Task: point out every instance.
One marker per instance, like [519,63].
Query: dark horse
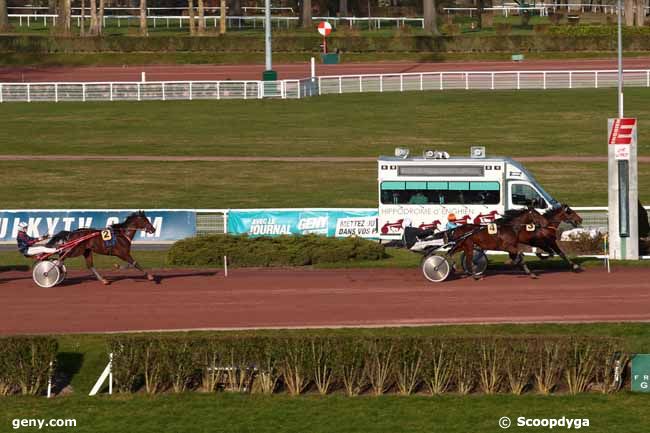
[119,245]
[545,238]
[510,230]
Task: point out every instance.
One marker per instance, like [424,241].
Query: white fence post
[570,80]
[421,83]
[401,82]
[340,85]
[56,92]
[544,75]
[596,79]
[29,95]
[110,90]
[83,92]
[319,86]
[190,90]
[381,83]
[466,80]
[139,96]
[246,89]
[1,95]
[518,81]
[647,79]
[163,91]
[441,74]
[360,84]
[492,77]
[259,90]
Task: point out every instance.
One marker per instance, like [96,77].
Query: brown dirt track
[293,71]
[267,298]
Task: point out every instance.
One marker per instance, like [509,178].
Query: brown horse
[119,245]
[509,229]
[545,237]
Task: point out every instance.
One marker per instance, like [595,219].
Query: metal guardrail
[480,80]
[155,90]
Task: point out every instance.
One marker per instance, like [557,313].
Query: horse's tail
[59,238]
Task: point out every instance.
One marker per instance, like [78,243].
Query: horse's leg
[468,249]
[131,262]
[556,248]
[519,261]
[88,255]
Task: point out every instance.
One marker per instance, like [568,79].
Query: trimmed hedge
[362,365]
[244,251]
[25,364]
[566,39]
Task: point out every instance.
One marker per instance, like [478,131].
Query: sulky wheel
[46,274]
[479,259]
[63,271]
[435,268]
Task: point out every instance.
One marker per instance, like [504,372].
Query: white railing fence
[296,89]
[153,91]
[475,80]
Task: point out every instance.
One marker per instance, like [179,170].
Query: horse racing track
[268,298]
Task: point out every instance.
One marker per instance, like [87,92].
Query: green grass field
[130,185]
[84,356]
[513,123]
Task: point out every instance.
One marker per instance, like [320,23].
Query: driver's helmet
[23,225]
[451,217]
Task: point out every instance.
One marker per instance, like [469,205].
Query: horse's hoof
[477,277]
[534,276]
[116,266]
[576,267]
[106,282]
[151,277]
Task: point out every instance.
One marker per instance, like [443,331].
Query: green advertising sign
[641,373]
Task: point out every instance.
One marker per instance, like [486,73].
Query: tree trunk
[63,20]
[100,18]
[306,14]
[343,8]
[143,18]
[201,17]
[4,17]
[82,24]
[640,13]
[629,12]
[222,21]
[93,18]
[430,16]
[190,10]
[235,8]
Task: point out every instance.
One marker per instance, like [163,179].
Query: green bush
[244,251]
[358,365]
[503,29]
[26,364]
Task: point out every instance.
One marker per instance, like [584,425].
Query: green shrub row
[558,39]
[26,364]
[244,251]
[357,365]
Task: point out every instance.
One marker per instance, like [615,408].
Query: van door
[522,194]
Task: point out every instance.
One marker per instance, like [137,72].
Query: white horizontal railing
[480,80]
[155,90]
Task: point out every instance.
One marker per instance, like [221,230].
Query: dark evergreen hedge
[569,39]
[244,251]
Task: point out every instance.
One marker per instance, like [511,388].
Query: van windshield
[441,193]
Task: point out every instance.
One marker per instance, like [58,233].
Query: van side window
[437,193]
[525,195]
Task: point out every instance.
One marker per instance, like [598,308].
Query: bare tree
[640,13]
[63,21]
[4,17]
[306,14]
[629,12]
[100,18]
[82,21]
[235,8]
[94,28]
[190,10]
[201,17]
[343,8]
[143,18]
[430,16]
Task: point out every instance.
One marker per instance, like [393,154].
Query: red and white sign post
[324,28]
[623,214]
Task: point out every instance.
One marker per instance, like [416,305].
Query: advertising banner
[326,222]
[641,373]
[170,225]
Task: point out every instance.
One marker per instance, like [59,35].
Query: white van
[423,191]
